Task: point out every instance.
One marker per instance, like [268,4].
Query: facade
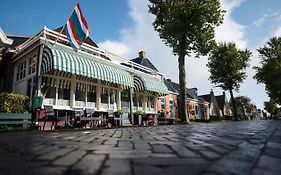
[197,109]
[214,108]
[8,47]
[224,105]
[90,78]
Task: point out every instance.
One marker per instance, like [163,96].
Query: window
[163,106]
[64,94]
[113,96]
[150,102]
[32,64]
[140,99]
[21,70]
[104,95]
[80,95]
[125,98]
[135,100]
[172,104]
[92,94]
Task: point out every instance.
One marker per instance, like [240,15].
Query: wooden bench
[23,119]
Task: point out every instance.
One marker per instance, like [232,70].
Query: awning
[56,59]
[143,83]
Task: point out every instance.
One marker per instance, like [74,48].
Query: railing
[101,54]
[80,103]
[23,119]
[62,102]
[48,101]
[91,104]
[104,106]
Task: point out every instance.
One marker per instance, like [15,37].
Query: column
[98,101]
[118,102]
[72,90]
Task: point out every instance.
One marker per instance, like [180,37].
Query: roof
[144,62]
[206,97]
[175,87]
[18,40]
[221,101]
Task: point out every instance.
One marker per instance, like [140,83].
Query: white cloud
[141,36]
[116,47]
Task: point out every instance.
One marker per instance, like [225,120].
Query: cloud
[141,36]
[269,15]
[116,47]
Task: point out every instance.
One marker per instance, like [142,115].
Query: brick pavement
[245,147]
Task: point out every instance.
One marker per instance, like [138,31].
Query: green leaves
[192,20]
[270,71]
[227,66]
[15,103]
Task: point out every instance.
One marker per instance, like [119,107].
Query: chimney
[142,54]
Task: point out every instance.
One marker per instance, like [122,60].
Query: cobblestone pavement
[246,147]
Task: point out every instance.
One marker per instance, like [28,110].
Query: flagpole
[65,25]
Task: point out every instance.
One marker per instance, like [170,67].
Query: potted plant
[138,117]
[118,113]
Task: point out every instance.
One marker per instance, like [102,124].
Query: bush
[14,103]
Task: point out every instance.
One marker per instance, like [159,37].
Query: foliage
[14,103]
[270,107]
[227,66]
[245,104]
[186,26]
[119,112]
[139,113]
[270,71]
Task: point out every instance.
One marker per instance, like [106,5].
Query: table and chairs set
[77,118]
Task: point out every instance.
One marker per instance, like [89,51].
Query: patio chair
[117,120]
[90,116]
[50,116]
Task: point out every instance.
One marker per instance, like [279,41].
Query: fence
[23,119]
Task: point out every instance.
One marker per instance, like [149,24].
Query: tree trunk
[233,105]
[182,105]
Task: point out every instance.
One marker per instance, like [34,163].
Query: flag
[77,29]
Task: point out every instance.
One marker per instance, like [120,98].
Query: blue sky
[124,27]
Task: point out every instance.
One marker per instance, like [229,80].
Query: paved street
[246,147]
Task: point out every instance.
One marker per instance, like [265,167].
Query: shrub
[15,103]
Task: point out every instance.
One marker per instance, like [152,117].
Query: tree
[186,26]
[270,107]
[227,66]
[270,71]
[245,104]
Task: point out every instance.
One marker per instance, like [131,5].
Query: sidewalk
[244,147]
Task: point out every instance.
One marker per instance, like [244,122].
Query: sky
[125,27]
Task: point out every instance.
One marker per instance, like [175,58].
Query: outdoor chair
[90,117]
[117,120]
[50,116]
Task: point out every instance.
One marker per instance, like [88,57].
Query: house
[9,44]
[215,111]
[45,65]
[197,108]
[224,105]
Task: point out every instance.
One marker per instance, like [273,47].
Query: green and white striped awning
[56,59]
[143,83]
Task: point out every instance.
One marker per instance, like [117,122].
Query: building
[215,111]
[9,45]
[45,65]
[197,109]
[224,105]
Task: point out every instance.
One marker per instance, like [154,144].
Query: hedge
[15,103]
